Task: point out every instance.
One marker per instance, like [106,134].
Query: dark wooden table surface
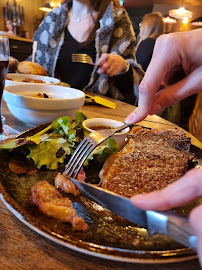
[21,248]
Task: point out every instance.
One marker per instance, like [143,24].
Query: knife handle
[170,224]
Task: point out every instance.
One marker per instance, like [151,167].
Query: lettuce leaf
[46,153]
[43,147]
[102,152]
[62,135]
[80,117]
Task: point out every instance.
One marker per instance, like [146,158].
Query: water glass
[4,59]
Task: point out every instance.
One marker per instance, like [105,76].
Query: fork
[86,146]
[82,58]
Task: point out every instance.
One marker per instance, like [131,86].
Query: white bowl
[110,123]
[17,78]
[63,101]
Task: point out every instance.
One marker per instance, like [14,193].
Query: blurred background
[34,11]
[19,19]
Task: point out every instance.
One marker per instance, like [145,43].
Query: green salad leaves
[52,145]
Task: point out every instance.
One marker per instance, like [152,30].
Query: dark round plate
[108,236]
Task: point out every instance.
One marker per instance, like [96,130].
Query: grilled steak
[149,161]
[177,137]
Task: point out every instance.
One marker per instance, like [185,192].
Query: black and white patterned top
[115,36]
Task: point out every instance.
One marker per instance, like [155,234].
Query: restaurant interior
[179,15]
[37,146]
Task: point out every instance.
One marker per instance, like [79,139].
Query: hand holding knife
[165,222]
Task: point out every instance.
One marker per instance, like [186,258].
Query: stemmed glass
[4,59]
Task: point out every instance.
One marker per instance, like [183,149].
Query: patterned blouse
[115,36]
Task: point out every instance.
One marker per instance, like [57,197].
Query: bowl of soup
[36,104]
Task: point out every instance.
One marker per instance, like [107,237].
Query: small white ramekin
[119,137]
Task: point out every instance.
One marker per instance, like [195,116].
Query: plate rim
[89,252]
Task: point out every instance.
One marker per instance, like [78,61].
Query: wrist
[125,70]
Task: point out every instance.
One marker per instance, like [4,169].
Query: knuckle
[144,88]
[165,40]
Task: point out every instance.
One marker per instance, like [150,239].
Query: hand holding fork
[109,64]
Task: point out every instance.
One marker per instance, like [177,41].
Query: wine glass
[4,59]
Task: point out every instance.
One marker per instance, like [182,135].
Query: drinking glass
[4,59]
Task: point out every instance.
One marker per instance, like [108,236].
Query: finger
[136,116]
[161,63]
[112,71]
[103,68]
[195,219]
[109,72]
[174,93]
[103,59]
[176,194]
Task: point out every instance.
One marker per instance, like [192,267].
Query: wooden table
[21,248]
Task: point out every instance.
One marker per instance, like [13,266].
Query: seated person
[152,26]
[101,29]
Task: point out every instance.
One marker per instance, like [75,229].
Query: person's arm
[171,52]
[186,189]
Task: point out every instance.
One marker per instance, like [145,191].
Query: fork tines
[86,146]
[80,154]
[82,58]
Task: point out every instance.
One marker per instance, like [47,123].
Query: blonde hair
[152,25]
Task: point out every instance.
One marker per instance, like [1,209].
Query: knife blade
[164,222]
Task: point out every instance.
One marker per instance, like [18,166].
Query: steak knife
[164,222]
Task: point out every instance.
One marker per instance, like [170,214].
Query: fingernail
[130,119]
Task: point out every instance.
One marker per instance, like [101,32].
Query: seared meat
[65,185]
[148,162]
[51,203]
[177,137]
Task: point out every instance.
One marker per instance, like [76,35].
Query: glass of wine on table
[4,59]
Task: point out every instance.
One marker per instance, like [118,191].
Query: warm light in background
[46,8]
[180,13]
[197,21]
[49,6]
[185,20]
[169,20]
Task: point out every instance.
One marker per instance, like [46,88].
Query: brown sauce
[100,127]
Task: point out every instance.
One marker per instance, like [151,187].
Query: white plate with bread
[28,72]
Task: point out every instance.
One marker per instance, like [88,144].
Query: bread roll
[27,67]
